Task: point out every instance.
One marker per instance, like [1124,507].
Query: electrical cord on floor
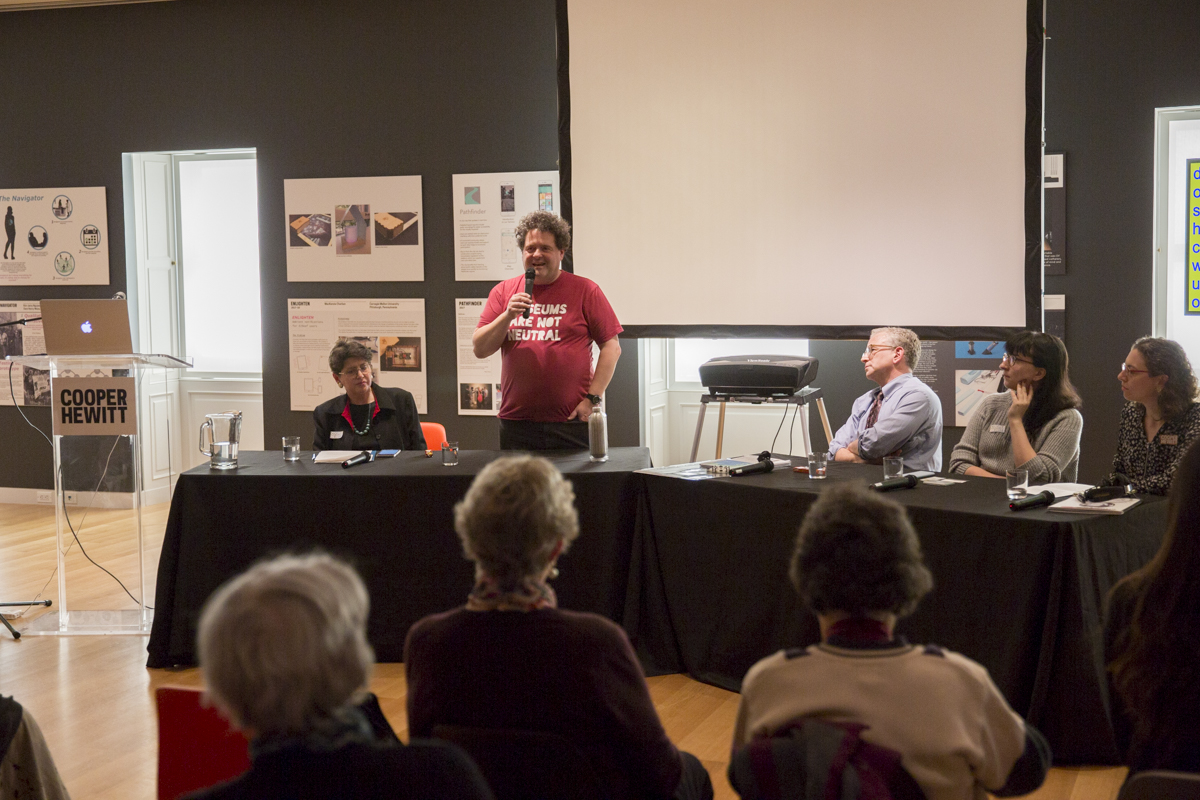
[62,499]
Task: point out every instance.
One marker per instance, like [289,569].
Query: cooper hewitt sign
[94,406]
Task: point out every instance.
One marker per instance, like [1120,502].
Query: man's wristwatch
[594,398]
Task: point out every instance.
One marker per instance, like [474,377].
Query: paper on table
[1118,505]
[334,456]
[1060,489]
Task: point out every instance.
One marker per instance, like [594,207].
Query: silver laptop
[86,327]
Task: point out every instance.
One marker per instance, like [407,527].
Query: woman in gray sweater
[1034,425]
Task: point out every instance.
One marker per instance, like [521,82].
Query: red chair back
[197,747]
[435,434]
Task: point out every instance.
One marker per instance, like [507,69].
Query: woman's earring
[554,573]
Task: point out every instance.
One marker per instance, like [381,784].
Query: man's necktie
[873,417]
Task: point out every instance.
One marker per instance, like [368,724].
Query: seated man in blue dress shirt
[902,417]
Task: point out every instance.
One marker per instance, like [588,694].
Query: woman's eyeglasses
[1011,359]
[1128,370]
[365,369]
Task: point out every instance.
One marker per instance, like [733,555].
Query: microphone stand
[7,624]
[19,322]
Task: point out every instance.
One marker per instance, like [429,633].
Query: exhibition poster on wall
[961,374]
[54,236]
[393,330]
[478,378]
[487,207]
[30,387]
[1054,194]
[354,229]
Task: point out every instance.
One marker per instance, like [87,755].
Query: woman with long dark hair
[1152,641]
[1161,418]
[1034,425]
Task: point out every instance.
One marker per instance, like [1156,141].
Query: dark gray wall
[461,86]
[434,89]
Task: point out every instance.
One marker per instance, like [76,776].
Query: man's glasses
[872,349]
[365,369]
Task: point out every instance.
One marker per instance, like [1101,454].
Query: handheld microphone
[752,469]
[1098,494]
[903,482]
[529,274]
[1033,501]
[361,458]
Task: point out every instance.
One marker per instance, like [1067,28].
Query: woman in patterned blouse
[1161,418]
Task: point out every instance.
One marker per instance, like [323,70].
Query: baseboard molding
[150,497]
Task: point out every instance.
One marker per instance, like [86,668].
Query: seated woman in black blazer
[368,416]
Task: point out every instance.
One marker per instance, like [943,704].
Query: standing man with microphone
[545,332]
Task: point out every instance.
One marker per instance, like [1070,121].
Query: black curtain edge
[1034,62]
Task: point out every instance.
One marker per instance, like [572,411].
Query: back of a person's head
[517,511]
[1158,674]
[283,646]
[857,553]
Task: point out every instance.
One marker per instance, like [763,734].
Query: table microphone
[1033,501]
[529,274]
[903,482]
[361,458]
[752,469]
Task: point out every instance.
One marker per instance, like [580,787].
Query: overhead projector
[761,376]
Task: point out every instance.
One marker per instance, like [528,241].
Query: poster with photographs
[54,237]
[22,385]
[478,378]
[354,229]
[393,330]
[962,374]
[487,207]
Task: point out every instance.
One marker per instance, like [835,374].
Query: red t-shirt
[547,359]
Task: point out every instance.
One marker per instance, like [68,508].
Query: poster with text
[478,378]
[962,374]
[21,385]
[354,229]
[1054,194]
[54,236]
[487,207]
[393,330]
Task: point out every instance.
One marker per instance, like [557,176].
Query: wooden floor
[93,696]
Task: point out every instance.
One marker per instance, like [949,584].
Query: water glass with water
[449,454]
[1018,483]
[818,463]
[893,467]
[291,448]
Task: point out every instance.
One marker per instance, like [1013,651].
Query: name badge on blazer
[336,434]
[1170,438]
[997,428]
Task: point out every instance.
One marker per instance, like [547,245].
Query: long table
[392,518]
[1021,593]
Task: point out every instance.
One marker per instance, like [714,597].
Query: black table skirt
[393,519]
[1021,593]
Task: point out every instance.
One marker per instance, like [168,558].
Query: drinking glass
[893,467]
[817,465]
[291,448]
[1018,483]
[449,454]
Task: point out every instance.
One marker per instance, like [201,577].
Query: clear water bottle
[598,434]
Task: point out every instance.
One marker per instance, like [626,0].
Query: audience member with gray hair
[858,566]
[285,656]
[902,417]
[511,659]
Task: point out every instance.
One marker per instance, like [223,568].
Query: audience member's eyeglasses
[1128,370]
[872,349]
[1011,359]
[365,369]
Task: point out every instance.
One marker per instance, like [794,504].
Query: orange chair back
[435,434]
[197,747]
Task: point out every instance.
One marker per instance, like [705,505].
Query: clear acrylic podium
[91,608]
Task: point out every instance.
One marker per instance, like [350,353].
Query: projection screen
[821,165]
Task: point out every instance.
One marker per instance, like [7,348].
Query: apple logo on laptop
[86,327]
